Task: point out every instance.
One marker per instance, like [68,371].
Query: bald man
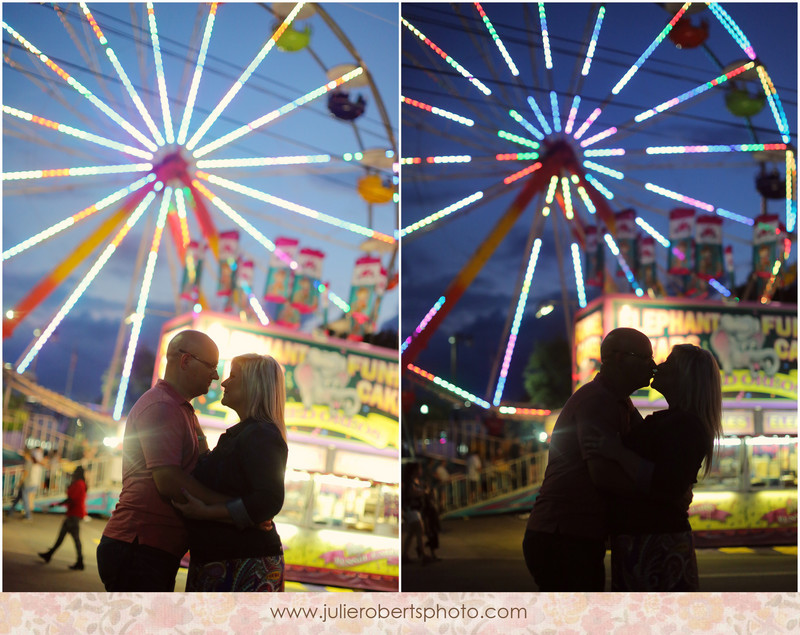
[565,539]
[145,539]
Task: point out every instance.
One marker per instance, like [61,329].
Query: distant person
[27,463]
[442,478]
[413,496]
[473,475]
[76,511]
[34,478]
[145,539]
[651,540]
[564,543]
[229,548]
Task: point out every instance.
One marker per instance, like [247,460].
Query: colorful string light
[744,147]
[600,187]
[679,197]
[539,115]
[576,265]
[791,182]
[699,90]
[75,84]
[512,410]
[573,112]
[565,192]
[464,121]
[522,173]
[589,121]
[732,28]
[610,152]
[587,63]
[515,326]
[517,139]
[448,386]
[141,305]
[468,200]
[160,80]
[180,204]
[134,95]
[424,323]
[652,231]
[198,73]
[554,109]
[84,213]
[599,136]
[586,200]
[623,265]
[79,134]
[614,174]
[85,282]
[294,207]
[252,162]
[242,80]
[461,70]
[648,51]
[548,56]
[526,124]
[512,67]
[774,103]
[517,156]
[91,170]
[257,123]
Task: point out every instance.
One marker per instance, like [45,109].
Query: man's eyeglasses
[208,365]
[644,358]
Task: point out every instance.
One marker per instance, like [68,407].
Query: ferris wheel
[541,140]
[184,125]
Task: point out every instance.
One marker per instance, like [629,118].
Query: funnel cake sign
[755,345]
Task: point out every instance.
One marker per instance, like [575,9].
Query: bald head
[625,340]
[192,358]
[627,360]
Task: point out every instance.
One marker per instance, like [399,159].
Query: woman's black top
[249,464]
[674,441]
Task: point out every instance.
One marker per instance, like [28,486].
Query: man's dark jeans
[125,566]
[565,563]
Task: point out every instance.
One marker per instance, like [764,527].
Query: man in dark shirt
[564,543]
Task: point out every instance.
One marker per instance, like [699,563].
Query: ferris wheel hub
[170,164]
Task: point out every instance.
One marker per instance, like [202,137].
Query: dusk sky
[432,256]
[240,32]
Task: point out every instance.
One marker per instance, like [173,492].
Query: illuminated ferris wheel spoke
[92,170]
[134,95]
[258,236]
[464,121]
[461,70]
[517,322]
[791,190]
[162,84]
[548,56]
[455,158]
[198,73]
[86,281]
[294,207]
[442,383]
[141,305]
[75,132]
[500,46]
[445,211]
[774,103]
[240,82]
[539,115]
[70,221]
[80,88]
[250,162]
[709,149]
[732,28]
[587,63]
[699,90]
[526,124]
[269,117]
[612,246]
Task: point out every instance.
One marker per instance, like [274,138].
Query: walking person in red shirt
[76,511]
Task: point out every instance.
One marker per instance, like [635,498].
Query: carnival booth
[750,496]
[340,520]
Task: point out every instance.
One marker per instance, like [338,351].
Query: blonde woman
[229,548]
[651,539]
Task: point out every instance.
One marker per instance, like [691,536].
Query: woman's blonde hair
[700,392]
[265,388]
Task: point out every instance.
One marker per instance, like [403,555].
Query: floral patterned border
[561,613]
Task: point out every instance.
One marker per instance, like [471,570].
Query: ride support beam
[203,217]
[65,268]
[537,183]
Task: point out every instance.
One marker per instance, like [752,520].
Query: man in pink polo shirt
[145,538]
[565,539]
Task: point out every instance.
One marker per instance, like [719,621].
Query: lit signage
[755,346]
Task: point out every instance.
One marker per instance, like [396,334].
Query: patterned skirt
[244,574]
[654,562]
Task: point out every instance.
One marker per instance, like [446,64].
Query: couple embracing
[613,474]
